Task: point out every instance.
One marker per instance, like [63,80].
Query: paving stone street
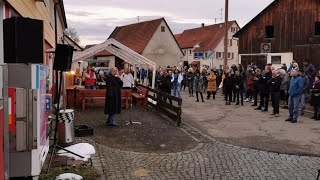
[208,160]
[205,158]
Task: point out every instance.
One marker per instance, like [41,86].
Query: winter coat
[219,79]
[165,84]
[284,82]
[315,94]
[265,78]
[257,82]
[305,83]
[250,82]
[296,86]
[238,83]
[198,84]
[113,95]
[190,79]
[212,83]
[228,83]
[274,84]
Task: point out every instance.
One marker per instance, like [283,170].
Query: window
[190,52]
[163,29]
[317,28]
[219,55]
[269,31]
[229,42]
[230,55]
[275,59]
[205,55]
[220,67]
[233,29]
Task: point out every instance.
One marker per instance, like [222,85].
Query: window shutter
[217,55]
[232,56]
[230,42]
[222,55]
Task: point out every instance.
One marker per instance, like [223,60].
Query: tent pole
[134,71]
[154,77]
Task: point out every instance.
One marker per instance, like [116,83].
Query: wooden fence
[165,103]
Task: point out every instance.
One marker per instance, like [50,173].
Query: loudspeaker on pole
[63,57]
[23,40]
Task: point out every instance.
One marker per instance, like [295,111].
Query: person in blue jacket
[295,92]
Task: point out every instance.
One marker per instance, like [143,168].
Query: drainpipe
[55,46]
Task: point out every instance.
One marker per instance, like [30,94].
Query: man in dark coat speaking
[113,96]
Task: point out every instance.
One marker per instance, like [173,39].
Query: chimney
[202,24]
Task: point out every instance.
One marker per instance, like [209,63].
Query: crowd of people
[292,87]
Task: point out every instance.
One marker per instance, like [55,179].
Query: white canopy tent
[121,51]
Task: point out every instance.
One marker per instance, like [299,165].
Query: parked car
[106,70]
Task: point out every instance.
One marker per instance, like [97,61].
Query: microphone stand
[131,104]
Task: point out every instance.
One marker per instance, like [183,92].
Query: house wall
[294,30]
[163,48]
[213,60]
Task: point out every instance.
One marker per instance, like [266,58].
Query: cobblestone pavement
[209,160]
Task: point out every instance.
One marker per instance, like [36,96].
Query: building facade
[152,39]
[204,46]
[286,30]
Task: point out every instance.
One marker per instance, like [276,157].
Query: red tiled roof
[208,36]
[177,36]
[135,36]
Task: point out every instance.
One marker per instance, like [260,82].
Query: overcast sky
[94,20]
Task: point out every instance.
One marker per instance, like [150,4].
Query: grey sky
[94,20]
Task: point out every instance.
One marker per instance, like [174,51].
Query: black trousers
[255,96]
[249,93]
[228,94]
[213,94]
[198,96]
[275,98]
[239,93]
[264,101]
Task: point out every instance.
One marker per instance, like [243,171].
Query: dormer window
[269,31]
[163,29]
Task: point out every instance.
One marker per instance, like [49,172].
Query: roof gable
[208,37]
[136,36]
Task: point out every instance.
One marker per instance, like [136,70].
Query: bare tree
[72,33]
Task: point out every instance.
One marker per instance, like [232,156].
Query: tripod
[130,118]
[55,145]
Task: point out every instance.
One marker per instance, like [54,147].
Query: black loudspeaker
[23,40]
[63,57]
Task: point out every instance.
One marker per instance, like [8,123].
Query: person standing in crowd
[198,85]
[204,75]
[265,93]
[310,71]
[184,79]
[295,91]
[228,86]
[77,77]
[257,86]
[238,86]
[190,80]
[212,85]
[127,79]
[113,96]
[284,85]
[305,92]
[176,82]
[219,78]
[275,85]
[250,86]
[315,98]
[90,78]
[143,75]
[165,83]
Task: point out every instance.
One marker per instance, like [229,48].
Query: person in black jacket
[265,92]
[257,81]
[228,86]
[113,96]
[275,83]
[238,86]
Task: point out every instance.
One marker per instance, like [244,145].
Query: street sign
[198,55]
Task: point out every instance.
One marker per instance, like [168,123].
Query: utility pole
[138,19]
[225,62]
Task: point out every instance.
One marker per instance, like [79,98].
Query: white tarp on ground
[83,149]
[69,176]
[121,51]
